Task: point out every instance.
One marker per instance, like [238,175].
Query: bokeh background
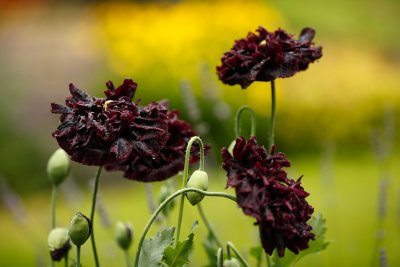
[337,122]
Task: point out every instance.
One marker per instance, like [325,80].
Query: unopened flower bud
[233,262]
[124,234]
[58,166]
[80,229]
[199,180]
[59,244]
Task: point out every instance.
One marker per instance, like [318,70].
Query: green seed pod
[58,166]
[80,229]
[231,146]
[233,262]
[124,235]
[59,244]
[199,180]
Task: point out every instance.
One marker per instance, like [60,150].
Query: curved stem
[273,114]
[94,198]
[220,257]
[78,256]
[229,246]
[208,225]
[165,202]
[237,121]
[185,179]
[53,206]
[127,258]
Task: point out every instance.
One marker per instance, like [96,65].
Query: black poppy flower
[265,192]
[265,56]
[170,159]
[100,131]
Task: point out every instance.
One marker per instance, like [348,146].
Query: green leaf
[257,253]
[211,248]
[319,229]
[179,255]
[152,250]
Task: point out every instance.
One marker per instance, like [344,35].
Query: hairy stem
[273,114]
[230,246]
[185,179]
[165,202]
[208,225]
[94,198]
[237,121]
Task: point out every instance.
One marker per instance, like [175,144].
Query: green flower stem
[230,246]
[53,206]
[127,258]
[165,202]
[273,114]
[237,121]
[208,225]
[94,198]
[220,257]
[66,260]
[78,256]
[185,179]
[268,260]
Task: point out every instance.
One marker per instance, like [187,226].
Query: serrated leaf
[179,255]
[319,229]
[152,250]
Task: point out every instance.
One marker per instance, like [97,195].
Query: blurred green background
[337,122]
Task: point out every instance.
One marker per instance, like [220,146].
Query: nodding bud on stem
[198,180]
[124,235]
[59,243]
[80,229]
[233,262]
[58,166]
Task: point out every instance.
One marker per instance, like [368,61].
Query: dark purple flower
[170,159]
[266,56]
[100,131]
[265,192]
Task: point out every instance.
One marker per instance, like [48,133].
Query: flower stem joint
[80,229]
[198,180]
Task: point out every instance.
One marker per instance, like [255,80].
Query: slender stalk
[208,225]
[127,258]
[165,202]
[78,256]
[268,260]
[53,206]
[66,260]
[185,179]
[273,114]
[94,198]
[240,257]
[220,257]
[237,121]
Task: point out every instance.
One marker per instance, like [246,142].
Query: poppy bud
[124,235]
[59,244]
[58,166]
[233,262]
[199,180]
[80,229]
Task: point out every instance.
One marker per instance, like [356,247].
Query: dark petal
[59,254]
[127,89]
[122,148]
[59,109]
[78,94]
